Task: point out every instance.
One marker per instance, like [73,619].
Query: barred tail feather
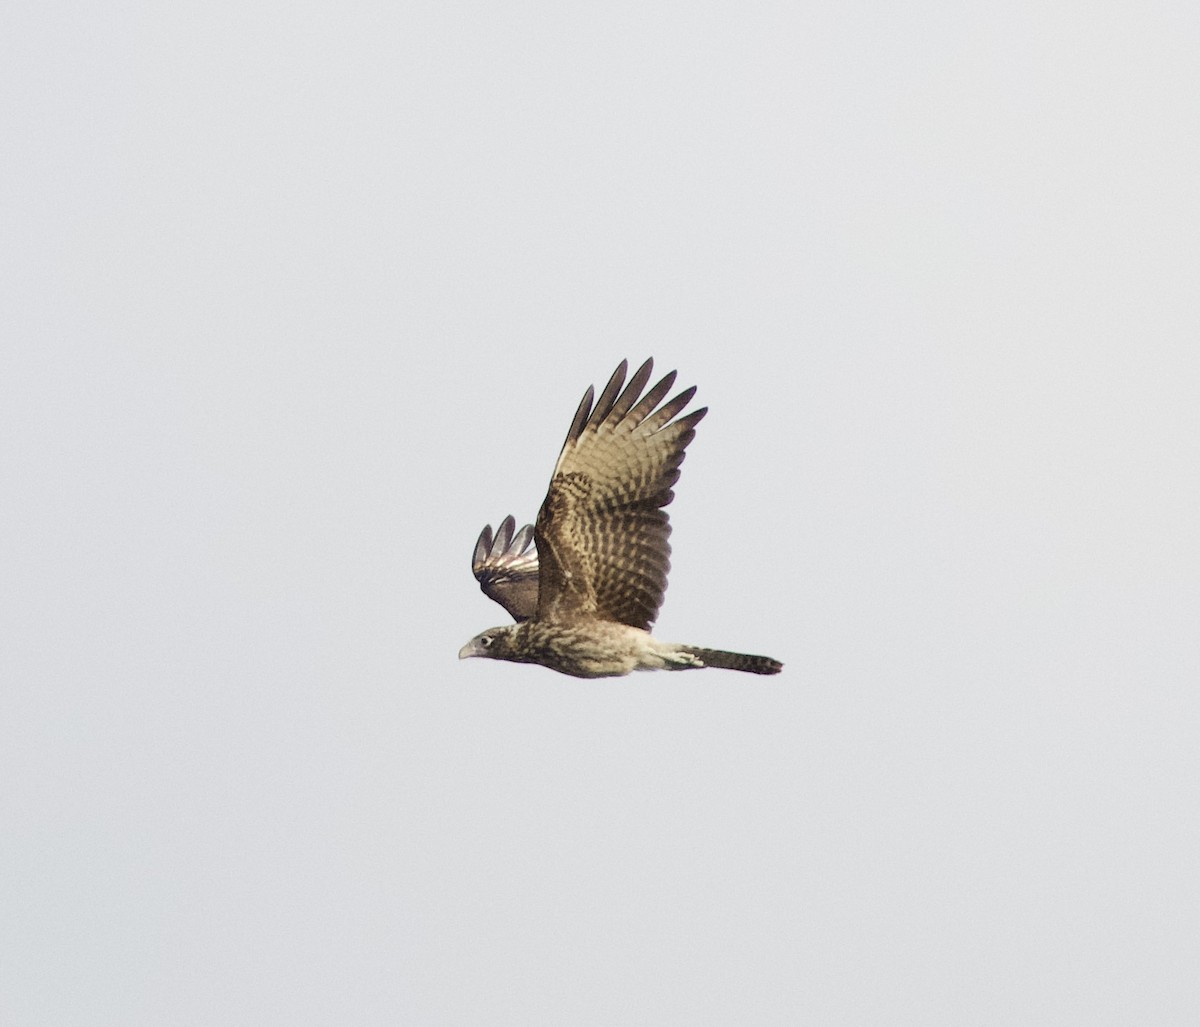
[733,661]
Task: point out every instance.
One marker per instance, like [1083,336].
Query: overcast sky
[296,297]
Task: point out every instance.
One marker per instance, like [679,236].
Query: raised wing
[602,531]
[507,568]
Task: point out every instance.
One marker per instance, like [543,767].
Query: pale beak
[470,649]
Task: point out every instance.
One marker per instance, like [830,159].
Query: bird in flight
[584,601]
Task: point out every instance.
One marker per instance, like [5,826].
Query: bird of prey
[584,601]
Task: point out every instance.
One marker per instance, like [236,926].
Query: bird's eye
[485,641]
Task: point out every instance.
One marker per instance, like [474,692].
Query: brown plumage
[507,568]
[602,544]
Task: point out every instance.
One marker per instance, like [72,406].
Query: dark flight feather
[506,568]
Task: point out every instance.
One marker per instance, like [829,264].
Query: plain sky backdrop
[297,296]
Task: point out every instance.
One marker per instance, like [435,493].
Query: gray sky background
[297,296]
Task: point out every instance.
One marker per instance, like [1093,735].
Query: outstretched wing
[507,568]
[602,531]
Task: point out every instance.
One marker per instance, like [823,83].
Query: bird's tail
[733,661]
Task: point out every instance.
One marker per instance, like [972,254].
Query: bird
[584,583]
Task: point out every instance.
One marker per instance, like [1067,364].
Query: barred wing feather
[602,533]
[506,566]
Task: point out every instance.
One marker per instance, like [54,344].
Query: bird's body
[584,649]
[585,603]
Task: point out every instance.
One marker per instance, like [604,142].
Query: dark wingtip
[608,397]
[633,390]
[523,538]
[582,412]
[483,546]
[504,533]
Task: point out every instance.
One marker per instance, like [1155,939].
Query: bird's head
[495,644]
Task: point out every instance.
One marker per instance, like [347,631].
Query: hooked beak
[472,648]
